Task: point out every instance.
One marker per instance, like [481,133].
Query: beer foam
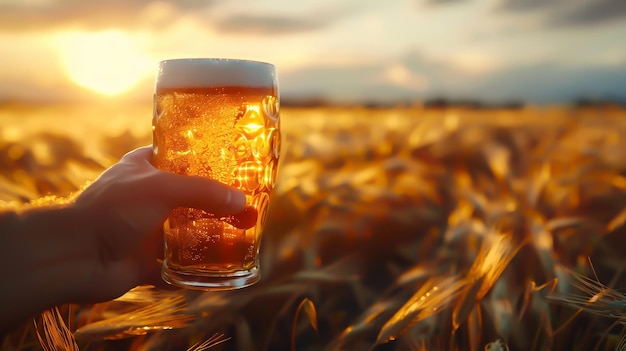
[196,73]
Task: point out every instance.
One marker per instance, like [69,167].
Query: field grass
[390,229]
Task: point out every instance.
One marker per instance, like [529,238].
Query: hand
[124,210]
[104,243]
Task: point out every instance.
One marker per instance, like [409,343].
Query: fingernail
[236,199]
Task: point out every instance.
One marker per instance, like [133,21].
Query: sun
[106,62]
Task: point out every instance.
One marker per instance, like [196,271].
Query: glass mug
[216,118]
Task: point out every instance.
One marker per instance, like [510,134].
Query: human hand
[104,243]
[124,210]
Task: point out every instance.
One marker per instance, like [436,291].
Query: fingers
[201,193]
[190,191]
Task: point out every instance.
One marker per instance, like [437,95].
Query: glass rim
[216,60]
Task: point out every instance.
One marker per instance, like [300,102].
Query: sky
[344,51]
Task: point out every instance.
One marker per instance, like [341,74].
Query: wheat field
[405,228]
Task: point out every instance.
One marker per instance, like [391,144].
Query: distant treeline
[441,102]
[287,101]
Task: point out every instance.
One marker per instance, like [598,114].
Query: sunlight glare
[107,62]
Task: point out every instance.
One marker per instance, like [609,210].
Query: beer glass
[216,118]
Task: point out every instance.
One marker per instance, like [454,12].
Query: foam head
[210,72]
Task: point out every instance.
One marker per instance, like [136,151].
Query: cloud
[558,12]
[400,75]
[269,24]
[415,77]
[411,77]
[528,5]
[569,12]
[442,2]
[291,20]
[594,12]
[222,15]
[93,15]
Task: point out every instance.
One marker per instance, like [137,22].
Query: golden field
[390,229]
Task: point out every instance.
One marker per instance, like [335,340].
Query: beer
[217,119]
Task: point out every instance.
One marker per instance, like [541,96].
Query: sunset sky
[541,51]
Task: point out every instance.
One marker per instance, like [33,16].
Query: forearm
[43,258]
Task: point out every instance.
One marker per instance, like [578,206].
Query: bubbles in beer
[236,143]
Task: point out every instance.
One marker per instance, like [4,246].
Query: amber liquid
[230,134]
